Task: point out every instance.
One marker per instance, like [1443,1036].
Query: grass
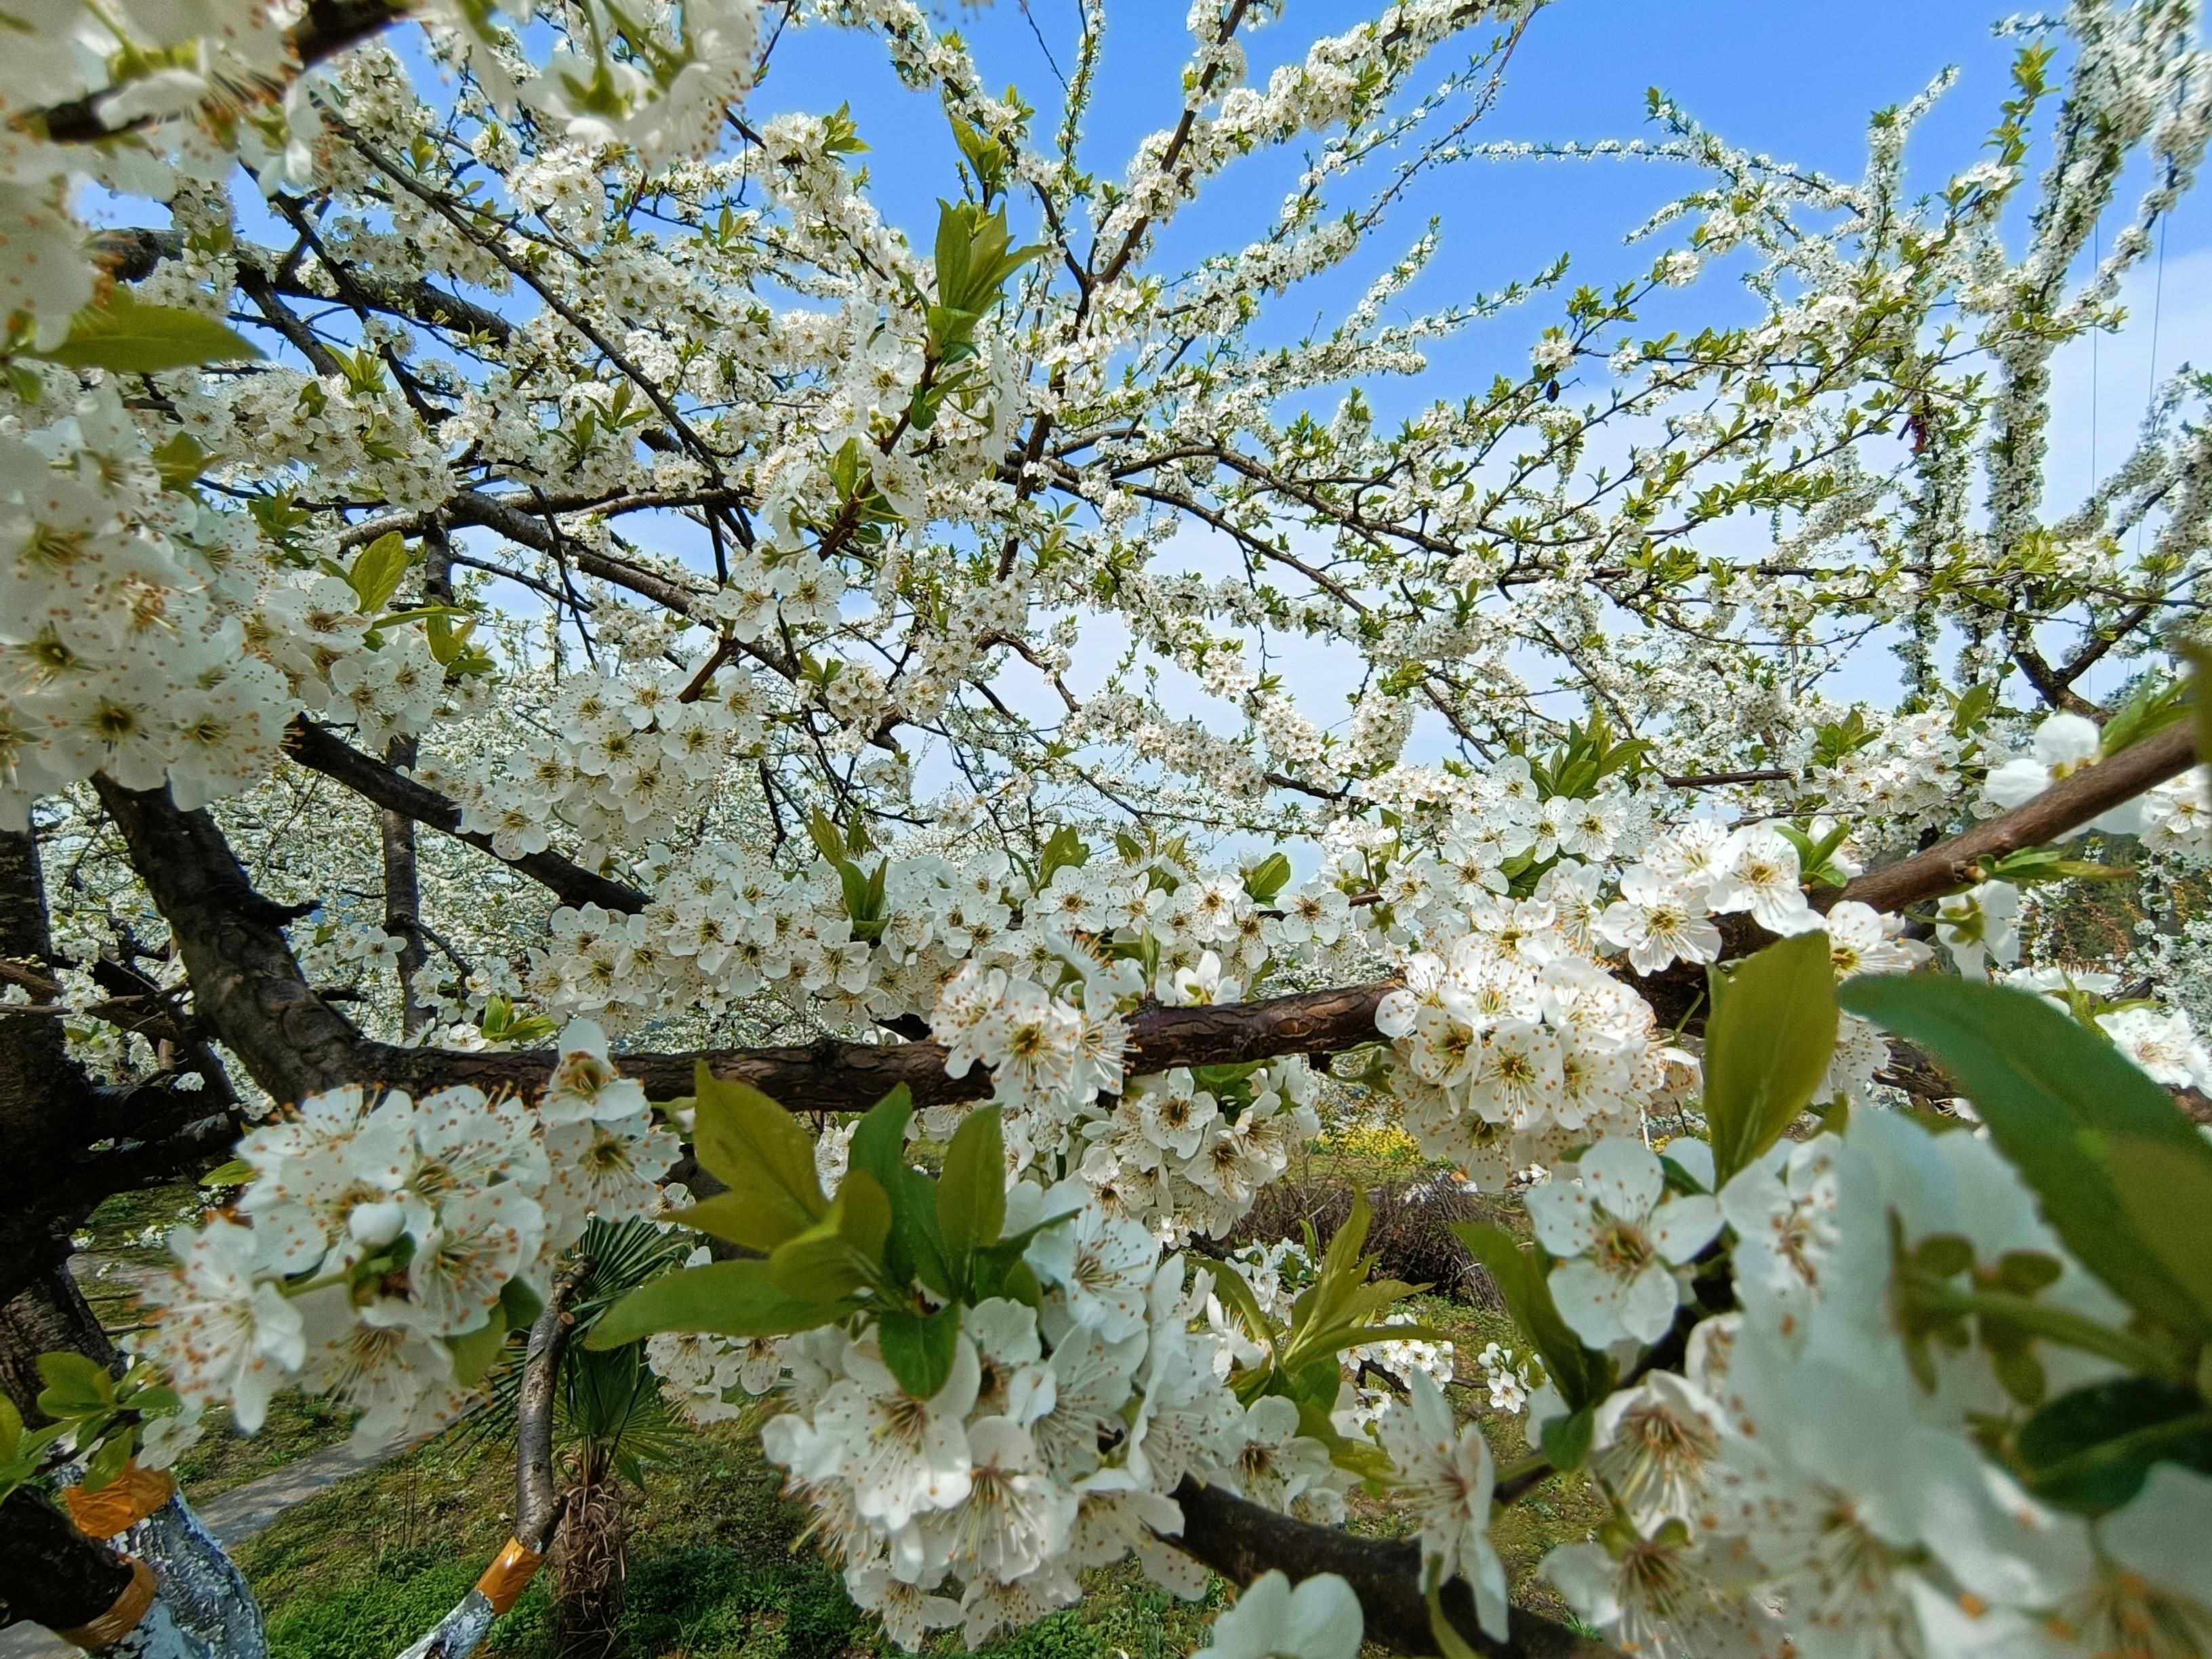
[135,1225]
[127,1238]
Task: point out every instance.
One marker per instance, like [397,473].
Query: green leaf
[971,1192]
[77,1386]
[918,1348]
[179,461]
[11,1429]
[1266,879]
[1567,1439]
[878,1142]
[724,1216]
[763,1156]
[2056,1096]
[917,1248]
[236,1173]
[1236,1296]
[843,1252]
[1063,848]
[729,1298]
[1768,1043]
[2092,1449]
[1449,1643]
[1582,1378]
[113,1456]
[475,1351]
[128,338]
[2156,704]
[378,569]
[2169,1201]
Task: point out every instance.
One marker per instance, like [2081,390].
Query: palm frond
[624,1256]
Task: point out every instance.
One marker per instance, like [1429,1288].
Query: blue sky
[1794,80]
[1781,77]
[1785,79]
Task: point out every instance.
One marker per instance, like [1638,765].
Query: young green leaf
[2169,1201]
[2091,1448]
[730,1299]
[762,1155]
[1768,1046]
[475,1351]
[377,571]
[878,1142]
[971,1192]
[1567,1439]
[919,1348]
[1266,879]
[841,1253]
[1582,1378]
[520,1304]
[2055,1096]
[76,1385]
[127,337]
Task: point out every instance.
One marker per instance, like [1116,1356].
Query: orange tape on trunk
[122,1616]
[509,1574]
[121,1504]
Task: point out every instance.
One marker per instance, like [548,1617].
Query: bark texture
[398,796]
[1240,1541]
[48,1313]
[50,1573]
[244,981]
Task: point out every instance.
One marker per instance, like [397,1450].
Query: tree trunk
[49,1313]
[402,897]
[591,1560]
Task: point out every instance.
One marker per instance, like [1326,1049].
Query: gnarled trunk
[590,1559]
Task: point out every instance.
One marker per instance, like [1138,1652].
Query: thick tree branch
[1240,1541]
[250,990]
[246,983]
[2064,807]
[321,751]
[52,1574]
[833,1076]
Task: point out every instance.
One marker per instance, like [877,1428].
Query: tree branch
[321,751]
[329,27]
[536,1506]
[834,1076]
[2064,807]
[1240,1541]
[246,983]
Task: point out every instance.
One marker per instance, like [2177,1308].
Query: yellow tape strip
[121,1618]
[509,1574]
[121,1504]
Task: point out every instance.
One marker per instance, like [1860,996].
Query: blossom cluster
[1053,1445]
[377,1229]
[1808,1479]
